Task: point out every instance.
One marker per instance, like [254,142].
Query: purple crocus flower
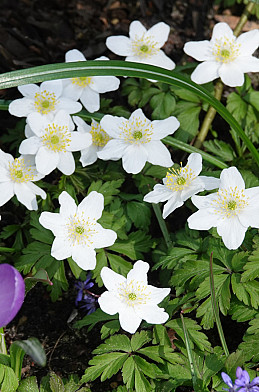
[227,380]
[243,382]
[82,286]
[12,291]
[89,303]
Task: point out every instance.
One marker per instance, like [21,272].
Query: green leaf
[139,339]
[220,149]
[188,116]
[149,369]
[141,383]
[56,383]
[140,214]
[114,343]
[241,312]
[5,359]
[110,328]
[108,189]
[34,349]
[195,336]
[76,270]
[128,372]
[16,356]
[101,261]
[40,276]
[163,105]
[8,379]
[28,384]
[118,264]
[59,281]
[233,361]
[94,318]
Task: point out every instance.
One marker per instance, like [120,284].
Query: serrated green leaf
[110,328]
[128,372]
[163,105]
[140,214]
[28,384]
[114,343]
[59,281]
[149,369]
[118,264]
[139,339]
[195,336]
[8,379]
[233,361]
[108,189]
[241,312]
[141,383]
[94,318]
[220,149]
[114,365]
[56,383]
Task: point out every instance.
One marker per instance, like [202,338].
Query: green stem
[3,349]
[218,90]
[216,309]
[162,225]
[190,357]
[9,250]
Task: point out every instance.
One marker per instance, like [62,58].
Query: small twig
[55,346]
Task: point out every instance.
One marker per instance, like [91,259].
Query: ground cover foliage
[210,284]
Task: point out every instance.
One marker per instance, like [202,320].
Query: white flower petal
[37,123]
[74,55]
[249,216]
[61,249]
[174,202]
[112,124]
[6,192]
[129,320]
[68,205]
[62,118]
[114,149]
[204,201]
[248,64]
[88,155]
[159,33]
[138,272]
[69,105]
[194,162]
[210,182]
[21,107]
[28,132]
[66,163]
[37,190]
[136,30]
[109,303]
[200,50]
[111,279]
[138,115]
[52,221]
[103,238]
[232,232]
[220,30]
[90,99]
[203,219]
[30,146]
[205,72]
[163,128]
[92,205]
[158,294]
[231,178]
[25,196]
[158,154]
[134,158]
[53,86]
[119,45]
[152,314]
[46,160]
[160,59]
[103,84]
[79,141]
[29,90]
[159,194]
[195,186]
[231,75]
[5,159]
[72,90]
[249,42]
[84,257]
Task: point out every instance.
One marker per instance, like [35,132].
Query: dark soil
[34,32]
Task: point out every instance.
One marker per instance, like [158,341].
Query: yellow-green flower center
[144,48]
[178,179]
[80,229]
[225,50]
[132,296]
[225,53]
[181,181]
[99,137]
[19,172]
[232,205]
[137,135]
[45,102]
[56,138]
[82,81]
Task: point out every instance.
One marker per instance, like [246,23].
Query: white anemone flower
[180,184]
[137,140]
[143,46]
[99,139]
[231,210]
[76,230]
[53,143]
[46,99]
[16,178]
[88,89]
[132,297]
[224,56]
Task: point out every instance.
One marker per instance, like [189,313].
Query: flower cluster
[242,382]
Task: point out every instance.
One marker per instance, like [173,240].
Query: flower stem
[216,309]
[3,349]
[162,225]
[9,250]
[218,89]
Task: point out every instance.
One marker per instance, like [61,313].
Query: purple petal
[239,372]
[12,291]
[227,380]
[255,381]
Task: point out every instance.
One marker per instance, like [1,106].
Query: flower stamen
[178,179]
[56,138]
[225,50]
[82,81]
[99,137]
[144,47]
[136,131]
[19,172]
[229,202]
[134,293]
[45,102]
[80,230]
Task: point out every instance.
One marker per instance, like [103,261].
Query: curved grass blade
[122,68]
